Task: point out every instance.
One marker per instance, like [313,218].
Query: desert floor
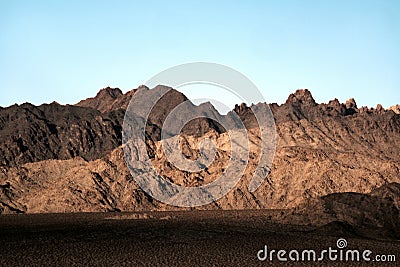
[191,238]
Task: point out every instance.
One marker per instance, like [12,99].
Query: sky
[66,51]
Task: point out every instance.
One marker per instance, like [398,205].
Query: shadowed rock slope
[31,133]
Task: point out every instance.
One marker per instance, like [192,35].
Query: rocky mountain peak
[351,103]
[108,91]
[103,100]
[379,108]
[395,109]
[301,97]
[142,86]
[239,109]
[334,103]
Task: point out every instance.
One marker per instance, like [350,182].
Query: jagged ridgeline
[68,158]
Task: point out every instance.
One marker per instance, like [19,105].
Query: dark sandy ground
[192,238]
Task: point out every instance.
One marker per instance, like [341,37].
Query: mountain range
[334,162]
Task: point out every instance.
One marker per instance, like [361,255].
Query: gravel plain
[190,238]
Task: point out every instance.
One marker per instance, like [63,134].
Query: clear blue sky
[67,50]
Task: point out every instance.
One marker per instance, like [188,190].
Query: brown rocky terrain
[108,99]
[52,131]
[334,162]
[395,109]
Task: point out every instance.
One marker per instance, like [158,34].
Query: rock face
[29,133]
[108,99]
[351,103]
[362,214]
[395,109]
[330,158]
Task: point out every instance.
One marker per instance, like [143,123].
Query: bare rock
[395,109]
[351,103]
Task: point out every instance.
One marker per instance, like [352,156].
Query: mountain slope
[52,131]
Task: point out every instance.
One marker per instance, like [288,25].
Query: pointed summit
[108,92]
[301,97]
[102,100]
[351,103]
[395,109]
